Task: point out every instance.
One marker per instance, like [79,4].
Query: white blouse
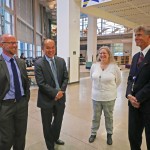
[105,83]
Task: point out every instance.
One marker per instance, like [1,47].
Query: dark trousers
[13,124]
[52,121]
[138,120]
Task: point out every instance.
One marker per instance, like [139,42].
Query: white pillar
[92,39]
[68,36]
[135,48]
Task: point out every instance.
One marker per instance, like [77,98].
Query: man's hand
[133,101]
[59,95]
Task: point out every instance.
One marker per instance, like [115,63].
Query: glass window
[7,28]
[18,44]
[25,48]
[9,23]
[20,48]
[117,49]
[38,51]
[104,27]
[30,53]
[29,50]
[83,26]
[7,16]
[25,53]
[9,3]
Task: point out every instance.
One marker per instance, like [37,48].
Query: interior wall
[32,25]
[38,18]
[24,11]
[127,46]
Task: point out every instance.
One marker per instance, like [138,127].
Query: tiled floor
[77,120]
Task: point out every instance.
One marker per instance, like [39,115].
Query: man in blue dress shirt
[14,96]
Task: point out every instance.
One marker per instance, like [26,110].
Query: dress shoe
[109,139]
[60,142]
[92,138]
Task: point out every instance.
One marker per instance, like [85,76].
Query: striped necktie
[54,71]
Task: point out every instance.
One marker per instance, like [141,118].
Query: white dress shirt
[146,50]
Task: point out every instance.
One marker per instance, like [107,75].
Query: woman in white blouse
[106,77]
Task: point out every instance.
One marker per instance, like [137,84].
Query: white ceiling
[129,13]
[126,12]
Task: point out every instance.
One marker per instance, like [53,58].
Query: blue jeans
[107,107]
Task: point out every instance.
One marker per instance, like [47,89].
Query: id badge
[134,78]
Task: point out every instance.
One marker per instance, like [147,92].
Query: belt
[9,101]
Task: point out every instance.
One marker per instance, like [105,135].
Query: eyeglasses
[11,42]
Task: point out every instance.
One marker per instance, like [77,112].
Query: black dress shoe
[109,139]
[92,138]
[60,142]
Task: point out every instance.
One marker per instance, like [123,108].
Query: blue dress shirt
[11,92]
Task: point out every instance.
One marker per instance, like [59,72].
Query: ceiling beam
[99,13]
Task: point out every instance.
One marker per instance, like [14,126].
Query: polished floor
[77,120]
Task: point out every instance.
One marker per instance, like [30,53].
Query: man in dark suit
[138,91]
[52,79]
[14,96]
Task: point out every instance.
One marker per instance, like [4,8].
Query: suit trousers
[52,121]
[138,120]
[13,124]
[98,107]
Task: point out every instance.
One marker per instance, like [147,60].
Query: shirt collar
[6,58]
[47,58]
[146,50]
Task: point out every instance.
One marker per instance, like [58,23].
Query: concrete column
[92,39]
[68,36]
[135,48]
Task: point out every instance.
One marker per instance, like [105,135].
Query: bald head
[48,47]
[9,44]
[47,41]
[6,37]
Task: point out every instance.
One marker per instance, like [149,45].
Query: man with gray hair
[138,91]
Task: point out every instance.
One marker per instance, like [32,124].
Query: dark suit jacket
[5,78]
[141,88]
[46,83]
